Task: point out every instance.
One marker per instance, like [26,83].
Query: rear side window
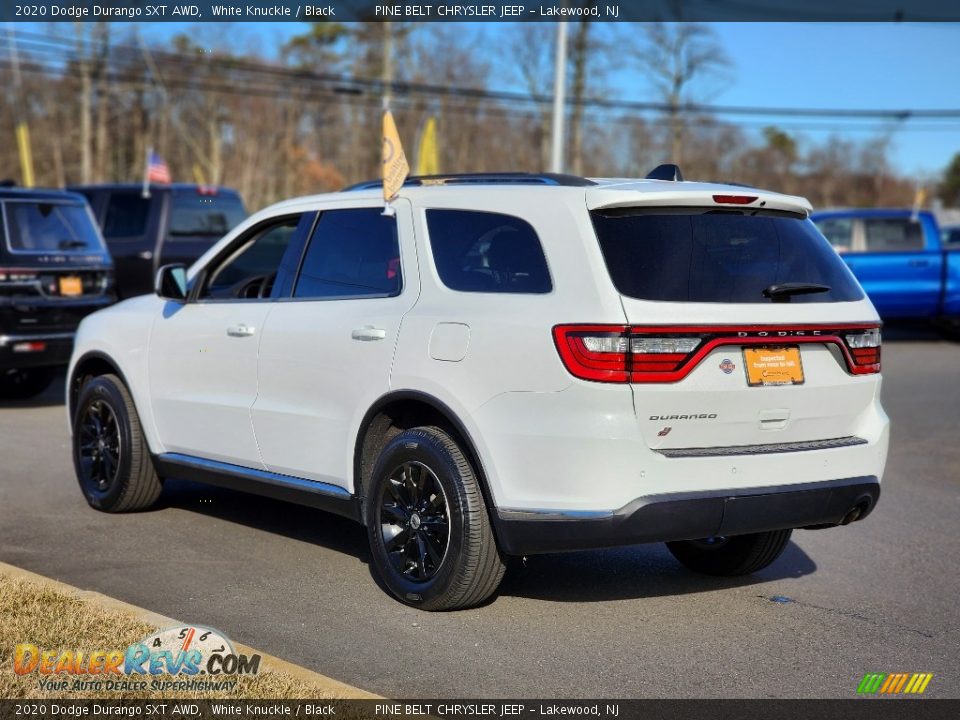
[893,234]
[487,252]
[839,231]
[126,216]
[194,214]
[352,253]
[718,256]
[43,227]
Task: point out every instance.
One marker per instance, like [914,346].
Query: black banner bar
[893,708]
[483,11]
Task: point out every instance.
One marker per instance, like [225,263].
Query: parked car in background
[899,258]
[54,270]
[174,224]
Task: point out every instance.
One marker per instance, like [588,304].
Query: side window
[893,234]
[839,231]
[126,216]
[251,270]
[487,252]
[352,253]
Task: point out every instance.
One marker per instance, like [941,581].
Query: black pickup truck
[173,224]
[54,270]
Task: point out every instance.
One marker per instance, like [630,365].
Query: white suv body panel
[546,441]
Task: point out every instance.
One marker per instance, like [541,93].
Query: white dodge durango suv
[506,365]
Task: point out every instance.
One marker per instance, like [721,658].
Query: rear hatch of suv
[745,331]
[54,266]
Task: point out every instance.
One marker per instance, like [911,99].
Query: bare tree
[677,56]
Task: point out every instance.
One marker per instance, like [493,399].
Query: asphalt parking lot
[877,596]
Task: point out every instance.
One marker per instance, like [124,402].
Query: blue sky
[838,65]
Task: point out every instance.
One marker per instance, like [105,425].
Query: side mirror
[171,282]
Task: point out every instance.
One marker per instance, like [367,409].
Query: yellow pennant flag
[394,168]
[26,157]
[428,162]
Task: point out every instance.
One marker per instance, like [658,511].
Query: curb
[161,621]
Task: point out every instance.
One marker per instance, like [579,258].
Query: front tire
[110,454]
[730,556]
[427,523]
[25,383]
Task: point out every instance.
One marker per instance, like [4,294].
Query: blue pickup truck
[899,258]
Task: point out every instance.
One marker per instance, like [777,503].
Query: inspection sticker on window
[773,366]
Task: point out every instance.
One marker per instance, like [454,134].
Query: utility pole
[559,99]
[387,68]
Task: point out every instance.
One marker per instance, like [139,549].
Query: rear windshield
[692,255]
[194,214]
[51,226]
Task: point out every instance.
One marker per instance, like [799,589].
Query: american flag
[157,170]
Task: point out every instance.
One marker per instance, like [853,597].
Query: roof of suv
[605,193]
[20,193]
[153,187]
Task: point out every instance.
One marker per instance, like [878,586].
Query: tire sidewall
[414,446]
[105,390]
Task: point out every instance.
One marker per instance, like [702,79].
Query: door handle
[145,255]
[919,263]
[240,330]
[368,332]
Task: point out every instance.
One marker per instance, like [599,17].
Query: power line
[349,83]
[464,105]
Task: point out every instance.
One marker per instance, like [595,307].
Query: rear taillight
[651,354]
[864,347]
[616,353]
[15,275]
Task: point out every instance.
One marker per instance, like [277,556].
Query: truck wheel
[429,532]
[24,383]
[110,454]
[736,555]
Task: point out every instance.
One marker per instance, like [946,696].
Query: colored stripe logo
[894,683]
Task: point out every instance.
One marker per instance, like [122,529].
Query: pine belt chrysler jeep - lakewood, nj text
[509,364]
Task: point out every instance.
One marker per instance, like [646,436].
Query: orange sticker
[71,285]
[773,366]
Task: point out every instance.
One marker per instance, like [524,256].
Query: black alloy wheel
[99,447]
[431,539]
[414,522]
[112,460]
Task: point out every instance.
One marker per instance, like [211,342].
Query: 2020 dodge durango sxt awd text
[508,365]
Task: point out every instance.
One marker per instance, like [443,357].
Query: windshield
[695,255]
[50,226]
[194,214]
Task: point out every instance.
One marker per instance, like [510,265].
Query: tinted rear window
[718,256]
[126,216]
[41,227]
[487,252]
[193,214]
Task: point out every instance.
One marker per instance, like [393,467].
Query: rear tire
[729,556]
[110,455]
[427,523]
[25,383]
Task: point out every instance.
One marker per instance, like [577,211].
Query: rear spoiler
[669,195]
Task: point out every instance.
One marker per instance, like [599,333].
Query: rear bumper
[687,516]
[18,351]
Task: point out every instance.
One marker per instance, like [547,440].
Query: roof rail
[507,178]
[666,172]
